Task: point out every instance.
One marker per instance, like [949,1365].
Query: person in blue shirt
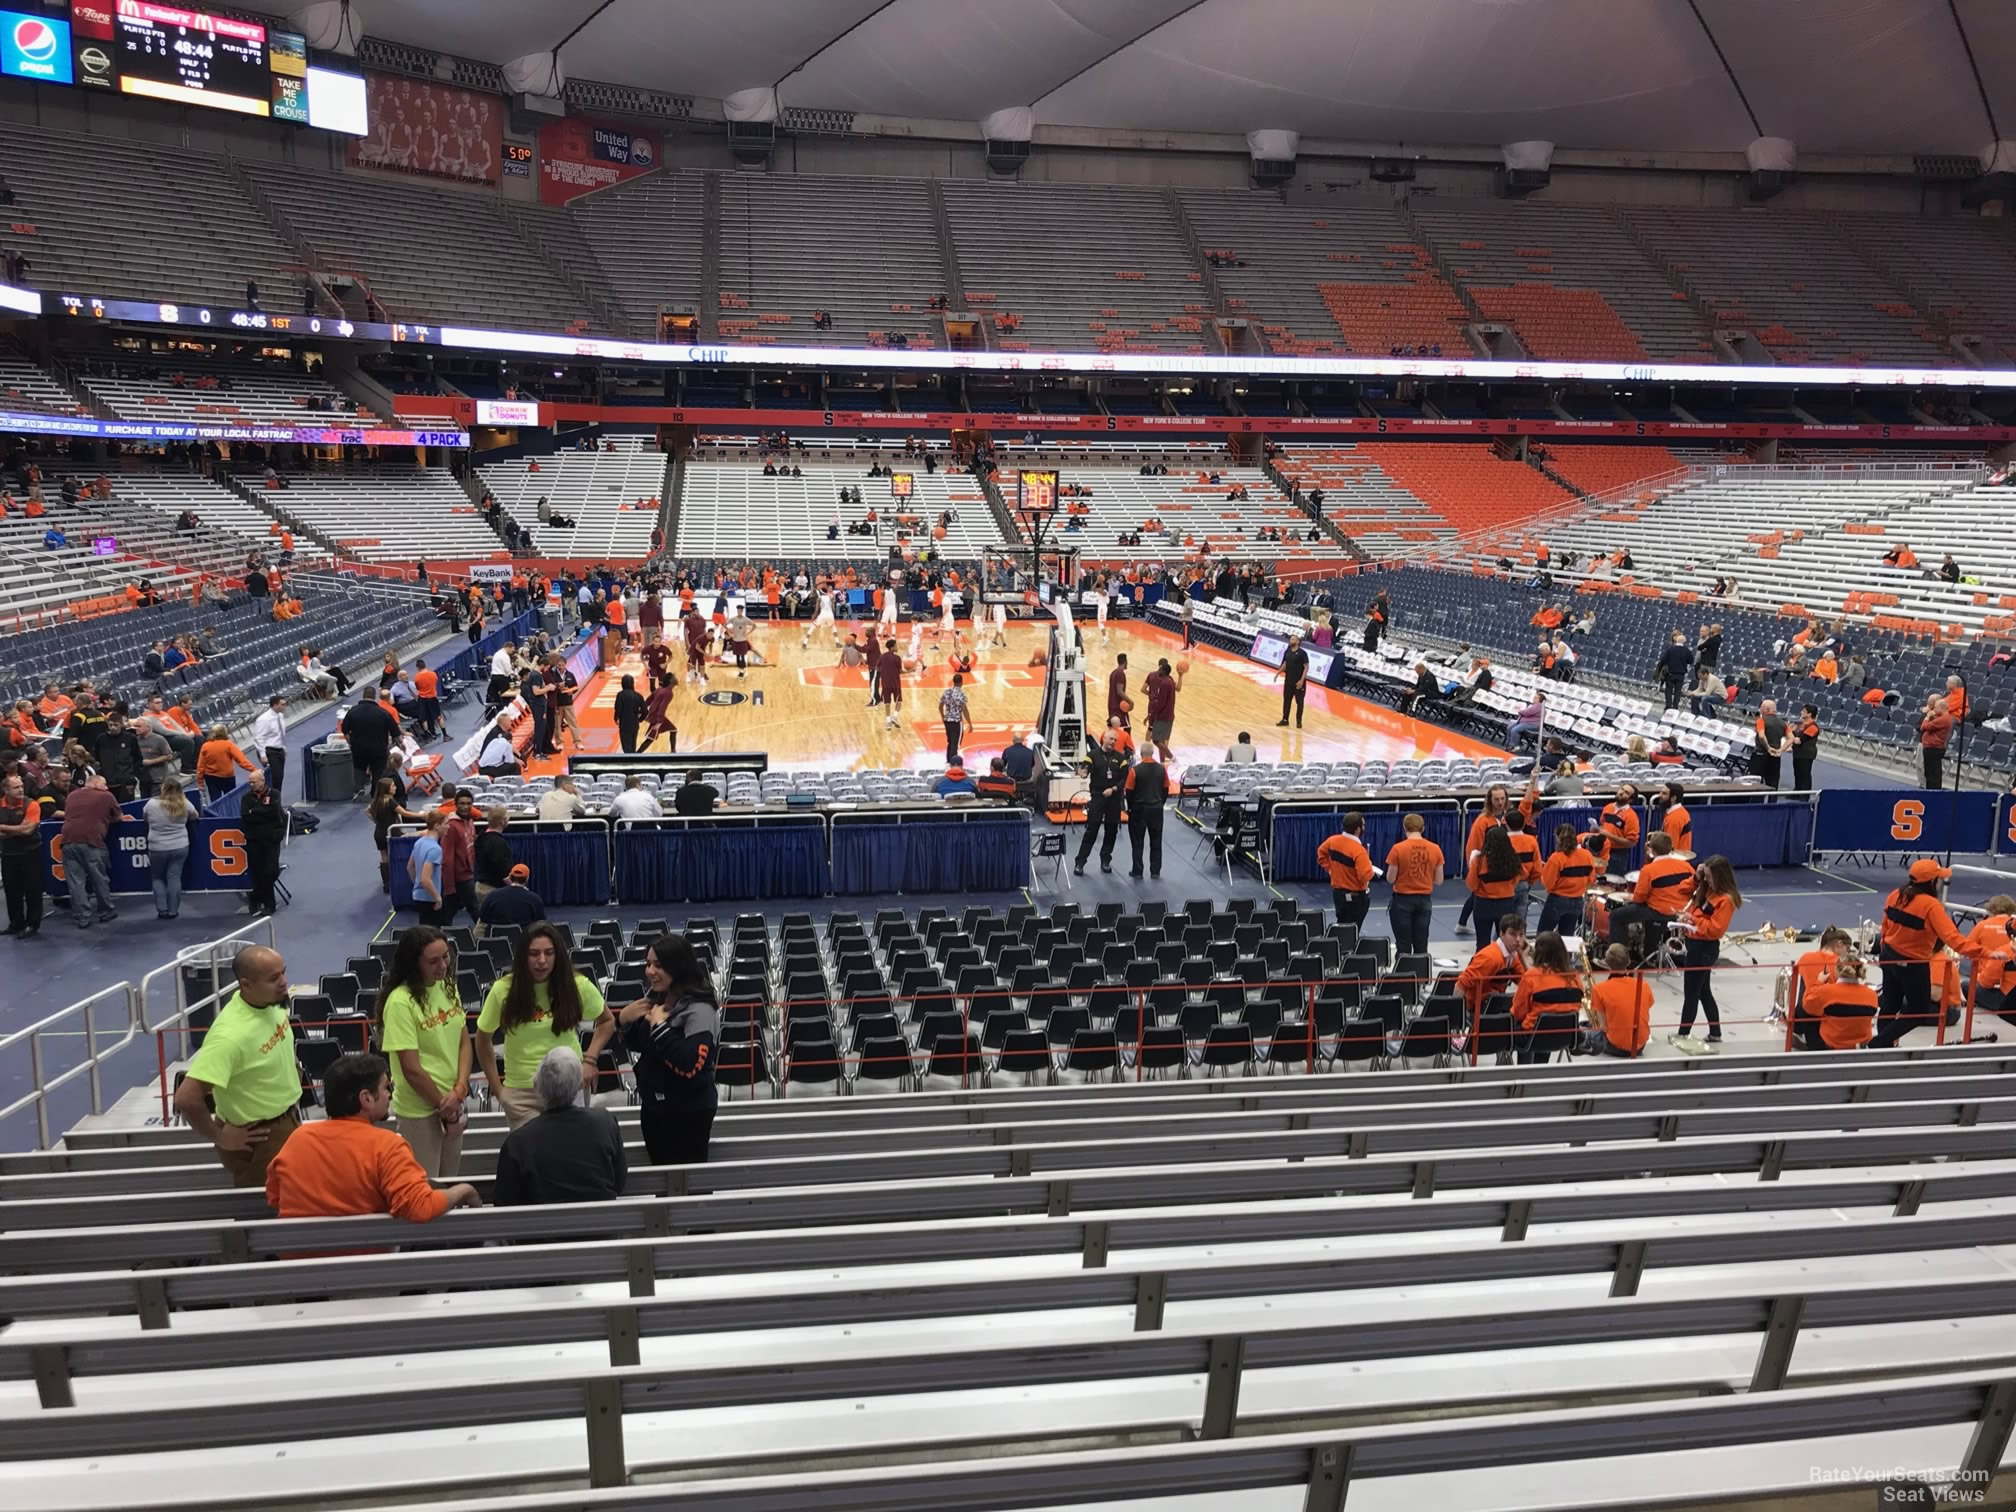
[54,538]
[1018,761]
[424,867]
[955,780]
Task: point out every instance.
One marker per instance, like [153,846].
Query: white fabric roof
[1835,76]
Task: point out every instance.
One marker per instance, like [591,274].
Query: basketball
[1126,706]
[1183,664]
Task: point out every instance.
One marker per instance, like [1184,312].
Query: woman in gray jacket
[169,815]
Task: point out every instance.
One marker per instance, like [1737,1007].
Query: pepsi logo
[36,40]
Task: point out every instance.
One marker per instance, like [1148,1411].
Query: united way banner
[578,157]
[1908,821]
[216,861]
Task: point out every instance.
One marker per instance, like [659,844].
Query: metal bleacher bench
[974,1271]
[751,1146]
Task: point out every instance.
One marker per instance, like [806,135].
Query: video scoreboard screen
[194,58]
[182,55]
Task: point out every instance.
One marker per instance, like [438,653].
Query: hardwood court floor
[807,711]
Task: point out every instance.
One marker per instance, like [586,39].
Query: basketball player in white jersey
[1000,624]
[1102,591]
[947,627]
[823,617]
[914,658]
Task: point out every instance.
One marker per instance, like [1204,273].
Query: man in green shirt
[246,1065]
[426,1038]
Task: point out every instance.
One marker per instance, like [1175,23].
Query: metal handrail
[34,1036]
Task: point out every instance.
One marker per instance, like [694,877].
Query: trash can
[549,619]
[329,777]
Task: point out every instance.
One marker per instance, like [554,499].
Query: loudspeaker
[529,111]
[1006,157]
[752,142]
[1271,173]
[1392,171]
[1989,187]
[1516,182]
[1762,183]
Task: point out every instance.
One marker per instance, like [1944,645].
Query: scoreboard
[185,56]
[194,58]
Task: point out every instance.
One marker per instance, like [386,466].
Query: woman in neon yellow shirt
[542,1003]
[425,1034]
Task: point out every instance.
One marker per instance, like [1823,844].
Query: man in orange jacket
[1348,864]
[349,1163]
[1494,968]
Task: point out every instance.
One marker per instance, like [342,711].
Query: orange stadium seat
[1562,324]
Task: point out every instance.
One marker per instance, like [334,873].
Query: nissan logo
[94,60]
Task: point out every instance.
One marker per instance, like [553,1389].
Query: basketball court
[806,710]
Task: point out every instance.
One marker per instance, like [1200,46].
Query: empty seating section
[1832,568]
[131,219]
[258,654]
[1553,324]
[607,494]
[1394,496]
[560,239]
[1796,287]
[1567,279]
[35,579]
[1361,500]
[166,493]
[24,386]
[1596,469]
[1189,508]
[427,252]
[863,250]
[1420,315]
[730,511]
[1494,613]
[1703,528]
[1210,1268]
[392,514]
[520,795]
[646,238]
[192,390]
[1083,269]
[1106,267]
[1291,250]
[1960,270]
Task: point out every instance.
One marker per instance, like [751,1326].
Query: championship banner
[216,860]
[577,157]
[1913,821]
[434,130]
